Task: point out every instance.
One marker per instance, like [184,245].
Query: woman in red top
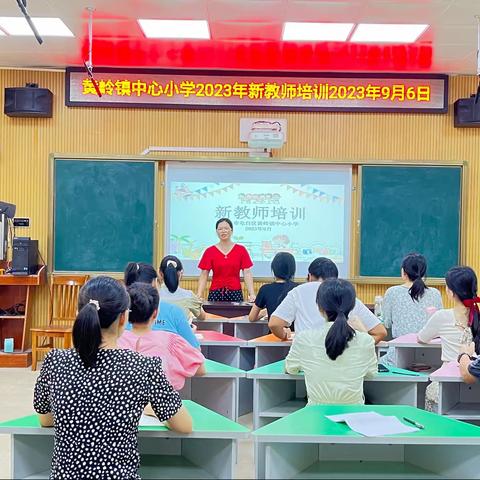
[226,259]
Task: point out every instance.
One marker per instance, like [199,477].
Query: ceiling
[246,34]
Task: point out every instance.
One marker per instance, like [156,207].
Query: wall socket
[21,222]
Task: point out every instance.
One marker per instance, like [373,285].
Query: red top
[225,268]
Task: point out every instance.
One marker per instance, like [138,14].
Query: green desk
[208,452]
[277,394]
[306,445]
[217,390]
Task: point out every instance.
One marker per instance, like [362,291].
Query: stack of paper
[148,421]
[372,424]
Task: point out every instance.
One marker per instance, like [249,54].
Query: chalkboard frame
[51,206]
[463,165]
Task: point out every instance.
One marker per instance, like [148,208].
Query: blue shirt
[171,318]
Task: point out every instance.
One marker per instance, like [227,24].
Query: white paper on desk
[148,421]
[199,336]
[372,424]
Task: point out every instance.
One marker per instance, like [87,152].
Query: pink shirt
[179,359]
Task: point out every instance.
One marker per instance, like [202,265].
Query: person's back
[335,359]
[407,307]
[404,315]
[94,394]
[338,381]
[97,410]
[179,359]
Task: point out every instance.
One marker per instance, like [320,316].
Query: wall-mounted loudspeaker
[29,101]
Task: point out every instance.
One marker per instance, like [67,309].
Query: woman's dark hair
[415,267]
[227,220]
[336,298]
[100,302]
[144,300]
[283,267]
[170,267]
[139,272]
[462,281]
[323,268]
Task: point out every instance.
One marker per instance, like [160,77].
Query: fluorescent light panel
[47,27]
[387,33]
[316,32]
[197,29]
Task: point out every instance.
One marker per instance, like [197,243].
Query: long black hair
[139,272]
[462,281]
[283,268]
[144,300]
[100,302]
[170,267]
[415,267]
[336,298]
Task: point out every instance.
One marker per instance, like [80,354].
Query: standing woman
[94,394]
[226,260]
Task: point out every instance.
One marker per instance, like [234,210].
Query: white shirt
[178,294]
[451,325]
[338,381]
[300,306]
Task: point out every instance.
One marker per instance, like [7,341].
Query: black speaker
[466,113]
[25,256]
[29,101]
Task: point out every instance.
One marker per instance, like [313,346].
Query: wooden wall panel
[25,146]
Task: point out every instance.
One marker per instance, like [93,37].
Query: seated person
[170,318]
[334,358]
[179,359]
[171,272]
[457,327]
[407,307]
[300,306]
[271,295]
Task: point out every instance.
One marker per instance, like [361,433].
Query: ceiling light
[316,32]
[48,27]
[175,28]
[387,33]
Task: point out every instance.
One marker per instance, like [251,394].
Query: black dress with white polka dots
[96,410]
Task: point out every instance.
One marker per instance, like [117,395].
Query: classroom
[239,239]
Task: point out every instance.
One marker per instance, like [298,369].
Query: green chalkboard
[104,214]
[409,209]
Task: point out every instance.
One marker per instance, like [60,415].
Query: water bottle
[378,306]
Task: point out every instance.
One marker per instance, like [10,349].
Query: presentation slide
[304,210]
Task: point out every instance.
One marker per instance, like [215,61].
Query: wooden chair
[62,310]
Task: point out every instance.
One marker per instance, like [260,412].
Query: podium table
[15,316]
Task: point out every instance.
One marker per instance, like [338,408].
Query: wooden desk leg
[34,350]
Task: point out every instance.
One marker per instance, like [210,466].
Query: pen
[413,422]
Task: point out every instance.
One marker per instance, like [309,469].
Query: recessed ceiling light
[387,33]
[316,32]
[175,28]
[47,27]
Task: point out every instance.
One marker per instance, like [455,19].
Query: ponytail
[100,303]
[171,266]
[462,281]
[87,334]
[414,266]
[336,298]
[417,290]
[338,336]
[139,272]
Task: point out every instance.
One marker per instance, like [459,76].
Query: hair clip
[96,303]
[172,262]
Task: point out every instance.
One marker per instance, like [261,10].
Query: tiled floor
[16,387]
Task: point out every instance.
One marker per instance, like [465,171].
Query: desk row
[305,444]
